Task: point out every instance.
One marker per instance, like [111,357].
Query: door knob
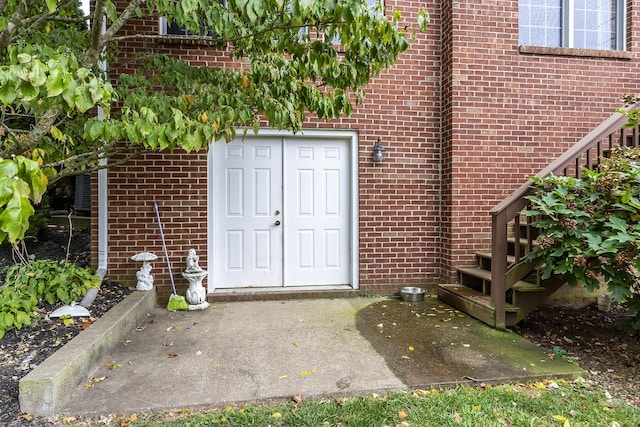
[276,223]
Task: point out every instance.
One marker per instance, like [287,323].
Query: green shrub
[26,285]
[590,227]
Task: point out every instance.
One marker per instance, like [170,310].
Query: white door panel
[317,213]
[248,188]
[282,212]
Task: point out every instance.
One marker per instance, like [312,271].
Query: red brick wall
[399,199]
[508,114]
[465,119]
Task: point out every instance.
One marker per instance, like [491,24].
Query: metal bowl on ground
[412,294]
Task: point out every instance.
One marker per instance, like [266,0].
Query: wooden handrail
[573,160]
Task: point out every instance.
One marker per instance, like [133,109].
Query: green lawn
[548,403]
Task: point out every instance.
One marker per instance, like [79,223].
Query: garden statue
[145,279]
[196,293]
[192,262]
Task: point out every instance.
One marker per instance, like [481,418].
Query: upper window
[579,24]
[172,28]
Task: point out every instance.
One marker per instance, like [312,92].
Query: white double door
[282,212]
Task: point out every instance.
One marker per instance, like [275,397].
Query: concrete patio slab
[246,352]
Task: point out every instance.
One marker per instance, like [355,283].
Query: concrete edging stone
[44,391]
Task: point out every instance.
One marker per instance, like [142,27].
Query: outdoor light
[378,151]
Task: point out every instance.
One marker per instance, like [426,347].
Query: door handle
[276,223]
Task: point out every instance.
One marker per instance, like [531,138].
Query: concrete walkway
[242,352]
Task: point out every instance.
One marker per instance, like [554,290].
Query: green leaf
[55,83]
[82,99]
[593,241]
[8,93]
[63,295]
[24,58]
[617,223]
[57,133]
[14,219]
[8,169]
[37,74]
[112,13]
[52,5]
[69,94]
[9,320]
[28,92]
[22,319]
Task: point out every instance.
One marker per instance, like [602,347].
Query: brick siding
[464,117]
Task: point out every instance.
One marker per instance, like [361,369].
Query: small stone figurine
[145,279]
[196,293]
[192,262]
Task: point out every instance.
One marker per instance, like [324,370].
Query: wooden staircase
[525,289]
[504,285]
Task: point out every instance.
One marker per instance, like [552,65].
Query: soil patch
[602,343]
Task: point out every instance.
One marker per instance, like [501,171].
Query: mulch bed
[22,350]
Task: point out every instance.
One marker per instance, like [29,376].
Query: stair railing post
[499,268]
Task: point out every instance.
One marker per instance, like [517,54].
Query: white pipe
[103,199]
[102,220]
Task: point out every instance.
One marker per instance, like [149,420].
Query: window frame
[163,27]
[567,27]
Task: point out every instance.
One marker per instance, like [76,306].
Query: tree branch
[71,170]
[99,38]
[31,139]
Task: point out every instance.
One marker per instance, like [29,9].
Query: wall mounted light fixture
[378,151]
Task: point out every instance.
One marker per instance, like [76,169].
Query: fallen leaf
[295,343]
[276,415]
[402,415]
[282,377]
[411,348]
[84,325]
[297,398]
[112,366]
[67,420]
[172,355]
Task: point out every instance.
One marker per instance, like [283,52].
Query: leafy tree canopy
[298,57]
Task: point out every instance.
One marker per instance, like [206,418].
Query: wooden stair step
[487,254]
[474,303]
[522,286]
[476,272]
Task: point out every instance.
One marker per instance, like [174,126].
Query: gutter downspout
[103,198]
[102,220]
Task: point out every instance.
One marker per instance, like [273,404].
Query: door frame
[354,255]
